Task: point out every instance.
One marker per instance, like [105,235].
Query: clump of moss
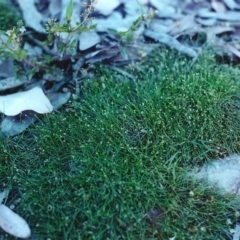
[8,16]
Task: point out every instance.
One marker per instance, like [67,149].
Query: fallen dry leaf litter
[175,24]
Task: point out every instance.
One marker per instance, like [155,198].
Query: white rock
[88,39]
[106,7]
[32,17]
[222,173]
[33,99]
[13,223]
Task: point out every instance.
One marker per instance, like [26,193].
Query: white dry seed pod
[13,224]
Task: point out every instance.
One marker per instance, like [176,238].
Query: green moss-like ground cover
[114,167]
[8,16]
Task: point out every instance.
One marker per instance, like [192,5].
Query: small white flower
[203,229]
[229,222]
[9,32]
[22,29]
[191,194]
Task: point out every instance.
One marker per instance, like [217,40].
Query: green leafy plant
[62,36]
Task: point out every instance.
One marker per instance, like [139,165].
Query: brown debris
[173,23]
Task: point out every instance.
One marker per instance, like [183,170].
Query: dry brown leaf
[143,1]
[233,50]
[58,99]
[186,23]
[218,6]
[164,7]
[13,125]
[213,31]
[156,25]
[11,82]
[206,21]
[171,42]
[114,21]
[231,4]
[7,68]
[225,16]
[102,54]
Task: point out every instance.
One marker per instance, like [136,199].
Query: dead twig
[123,72]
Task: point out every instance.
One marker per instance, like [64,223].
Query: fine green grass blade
[115,167]
[69,11]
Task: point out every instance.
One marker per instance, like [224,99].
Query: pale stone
[33,99]
[106,7]
[88,39]
[222,173]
